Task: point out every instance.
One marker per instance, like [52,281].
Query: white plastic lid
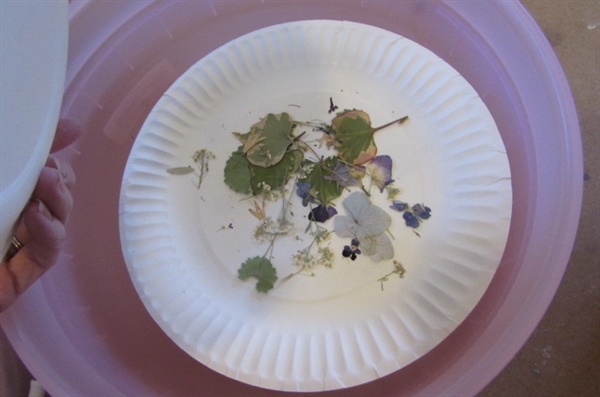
[34,39]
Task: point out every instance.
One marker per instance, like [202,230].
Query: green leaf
[237,172]
[249,140]
[355,136]
[322,186]
[261,269]
[268,140]
[180,170]
[276,176]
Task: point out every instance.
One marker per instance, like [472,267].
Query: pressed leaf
[237,172]
[249,140]
[354,134]
[180,170]
[276,176]
[269,139]
[322,186]
[260,268]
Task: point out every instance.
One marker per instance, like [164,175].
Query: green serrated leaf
[269,139]
[260,268]
[276,176]
[355,136]
[237,172]
[322,187]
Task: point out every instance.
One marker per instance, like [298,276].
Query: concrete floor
[562,357]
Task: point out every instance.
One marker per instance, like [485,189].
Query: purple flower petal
[421,211]
[346,175]
[303,191]
[321,213]
[381,171]
[351,251]
[347,251]
[411,220]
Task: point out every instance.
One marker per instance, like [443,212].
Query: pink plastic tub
[82,330]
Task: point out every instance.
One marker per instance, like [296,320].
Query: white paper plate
[183,245]
[34,40]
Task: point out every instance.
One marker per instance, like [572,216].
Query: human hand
[40,230]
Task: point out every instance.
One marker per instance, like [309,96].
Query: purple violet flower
[321,213]
[351,251]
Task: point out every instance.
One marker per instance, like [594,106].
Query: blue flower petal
[347,251]
[399,206]
[421,211]
[411,220]
[303,191]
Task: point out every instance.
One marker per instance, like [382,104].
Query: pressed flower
[327,139]
[421,211]
[412,215]
[380,169]
[303,191]
[322,213]
[411,220]
[347,175]
[392,192]
[332,107]
[399,206]
[351,251]
[258,211]
[366,223]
